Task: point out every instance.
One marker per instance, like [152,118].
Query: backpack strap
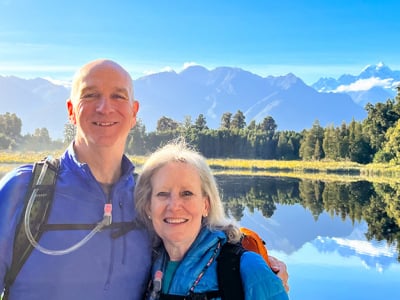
[48,170]
[192,296]
[228,269]
[123,227]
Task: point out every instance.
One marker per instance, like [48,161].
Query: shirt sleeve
[13,187]
[259,282]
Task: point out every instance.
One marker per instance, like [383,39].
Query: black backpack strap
[48,169]
[192,296]
[228,269]
[123,227]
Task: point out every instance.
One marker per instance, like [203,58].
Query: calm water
[337,239]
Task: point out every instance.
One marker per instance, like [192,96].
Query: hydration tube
[105,222]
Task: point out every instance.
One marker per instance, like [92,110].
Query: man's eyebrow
[122,90]
[94,88]
[88,89]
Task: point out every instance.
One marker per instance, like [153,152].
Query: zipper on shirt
[124,236]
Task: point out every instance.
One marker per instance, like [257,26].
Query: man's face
[101,106]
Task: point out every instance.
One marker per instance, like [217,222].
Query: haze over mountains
[197,90]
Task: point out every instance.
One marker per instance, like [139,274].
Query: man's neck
[104,163]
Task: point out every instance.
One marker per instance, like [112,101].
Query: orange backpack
[253,242]
[228,267]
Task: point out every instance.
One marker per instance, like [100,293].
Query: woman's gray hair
[179,151]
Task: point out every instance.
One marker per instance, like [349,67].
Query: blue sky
[311,39]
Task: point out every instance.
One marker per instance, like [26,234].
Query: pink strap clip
[107,209]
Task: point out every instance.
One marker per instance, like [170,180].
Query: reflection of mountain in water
[373,254]
[292,226]
[291,212]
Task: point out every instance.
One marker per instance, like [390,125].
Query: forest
[374,139]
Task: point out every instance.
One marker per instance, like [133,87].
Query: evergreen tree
[381,117]
[201,123]
[390,151]
[269,126]
[359,149]
[166,124]
[311,146]
[343,146]
[285,148]
[226,121]
[252,125]
[187,123]
[330,143]
[137,138]
[238,121]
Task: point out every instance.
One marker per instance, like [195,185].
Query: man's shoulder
[16,177]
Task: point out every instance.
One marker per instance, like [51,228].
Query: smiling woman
[177,197]
[177,207]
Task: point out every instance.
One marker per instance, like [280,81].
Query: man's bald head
[93,66]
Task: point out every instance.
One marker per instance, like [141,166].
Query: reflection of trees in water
[347,200]
[383,214]
[259,193]
[378,204]
[311,196]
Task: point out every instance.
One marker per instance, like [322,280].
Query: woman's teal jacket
[259,282]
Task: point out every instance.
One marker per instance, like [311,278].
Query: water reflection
[354,202]
[339,239]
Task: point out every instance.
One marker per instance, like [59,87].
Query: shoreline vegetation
[318,170]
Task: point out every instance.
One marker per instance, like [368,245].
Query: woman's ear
[148,213]
[206,206]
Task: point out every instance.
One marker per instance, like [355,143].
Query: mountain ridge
[196,90]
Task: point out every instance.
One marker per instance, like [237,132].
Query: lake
[339,240]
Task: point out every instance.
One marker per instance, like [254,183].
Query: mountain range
[196,90]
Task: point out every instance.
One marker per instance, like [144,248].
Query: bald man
[110,259]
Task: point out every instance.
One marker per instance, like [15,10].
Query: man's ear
[135,109]
[71,114]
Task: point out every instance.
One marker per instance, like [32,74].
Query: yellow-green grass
[326,170]
[293,165]
[25,157]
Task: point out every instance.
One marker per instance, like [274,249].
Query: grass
[327,170]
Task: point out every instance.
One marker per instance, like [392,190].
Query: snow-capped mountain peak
[375,83]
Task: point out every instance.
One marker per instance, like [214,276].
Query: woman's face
[177,204]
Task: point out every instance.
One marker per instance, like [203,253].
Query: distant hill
[197,90]
[37,102]
[292,103]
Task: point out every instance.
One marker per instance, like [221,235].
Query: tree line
[374,139]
